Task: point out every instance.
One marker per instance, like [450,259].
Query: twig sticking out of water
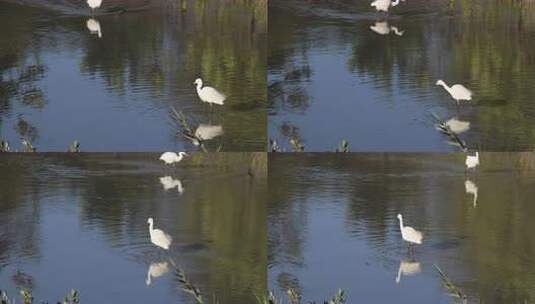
[27,146]
[188,287]
[343,147]
[4,146]
[441,126]
[74,147]
[186,130]
[448,284]
[274,146]
[296,144]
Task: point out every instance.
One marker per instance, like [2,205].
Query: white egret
[94,4]
[409,234]
[209,94]
[158,237]
[94,27]
[458,126]
[457,91]
[156,270]
[169,183]
[472,161]
[471,188]
[172,157]
[408,268]
[382,28]
[384,5]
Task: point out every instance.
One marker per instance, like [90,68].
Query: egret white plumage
[382,28]
[94,4]
[158,237]
[409,234]
[209,94]
[407,268]
[172,157]
[156,270]
[169,183]
[471,188]
[94,27]
[457,91]
[384,5]
[472,161]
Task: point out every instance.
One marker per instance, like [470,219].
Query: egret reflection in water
[94,27]
[156,270]
[382,28]
[471,188]
[407,268]
[458,126]
[169,183]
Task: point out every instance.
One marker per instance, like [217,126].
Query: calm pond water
[81,222]
[59,82]
[332,77]
[332,224]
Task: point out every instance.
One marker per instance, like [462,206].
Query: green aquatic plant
[27,298]
[295,298]
[450,286]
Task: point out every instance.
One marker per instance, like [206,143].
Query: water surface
[60,82]
[332,77]
[332,224]
[81,222]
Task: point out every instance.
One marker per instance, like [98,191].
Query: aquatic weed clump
[26,297]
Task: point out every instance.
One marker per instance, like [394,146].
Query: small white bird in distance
[169,183]
[382,28]
[94,27]
[384,5]
[472,161]
[209,94]
[408,268]
[471,188]
[156,270]
[457,91]
[158,237]
[409,234]
[172,157]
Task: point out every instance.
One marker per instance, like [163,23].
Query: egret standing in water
[472,161]
[94,27]
[158,237]
[94,4]
[409,234]
[209,94]
[384,5]
[171,157]
[457,91]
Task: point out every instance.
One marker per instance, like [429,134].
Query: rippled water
[332,77]
[332,224]
[81,222]
[60,82]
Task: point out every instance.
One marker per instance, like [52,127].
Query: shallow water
[59,82]
[81,222]
[331,77]
[332,224]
